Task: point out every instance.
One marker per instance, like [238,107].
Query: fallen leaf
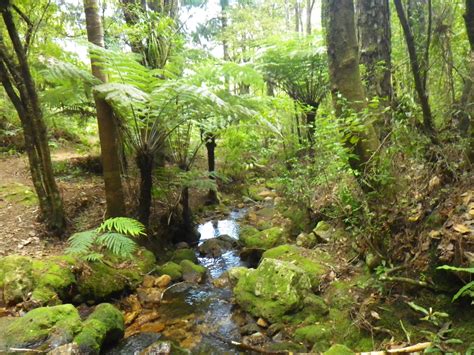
[461,228]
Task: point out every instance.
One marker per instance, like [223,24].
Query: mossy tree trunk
[346,83]
[108,130]
[20,87]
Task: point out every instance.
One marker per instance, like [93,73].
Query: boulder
[192,272]
[105,326]
[164,347]
[323,231]
[163,281]
[171,269]
[312,334]
[313,262]
[273,290]
[264,239]
[306,240]
[44,328]
[339,349]
[251,256]
[184,254]
[16,278]
[235,273]
[215,247]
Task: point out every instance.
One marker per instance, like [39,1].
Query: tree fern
[113,235]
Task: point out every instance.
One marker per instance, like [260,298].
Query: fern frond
[93,257]
[122,225]
[117,243]
[81,243]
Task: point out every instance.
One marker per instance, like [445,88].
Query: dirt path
[20,232]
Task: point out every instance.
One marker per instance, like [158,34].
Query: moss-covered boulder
[99,280]
[104,326]
[16,278]
[264,239]
[172,269]
[184,254]
[312,334]
[43,328]
[339,349]
[274,290]
[313,262]
[192,272]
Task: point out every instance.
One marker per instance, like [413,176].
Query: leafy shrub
[112,235]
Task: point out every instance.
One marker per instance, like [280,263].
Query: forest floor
[20,230]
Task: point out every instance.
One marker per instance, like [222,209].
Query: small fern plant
[467,289]
[113,235]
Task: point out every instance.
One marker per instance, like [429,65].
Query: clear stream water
[206,309]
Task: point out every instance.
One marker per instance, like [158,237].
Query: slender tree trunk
[428,126]
[311,121]
[108,130]
[25,99]
[212,198]
[145,166]
[345,80]
[309,13]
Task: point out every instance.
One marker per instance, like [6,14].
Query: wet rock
[192,272]
[306,240]
[264,239]
[221,282]
[104,327]
[256,339]
[275,328]
[251,256]
[148,281]
[236,273]
[163,347]
[66,349]
[184,254]
[38,326]
[249,329]
[273,290]
[313,262]
[172,269]
[217,246]
[149,296]
[163,281]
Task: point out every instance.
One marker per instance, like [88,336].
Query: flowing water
[201,314]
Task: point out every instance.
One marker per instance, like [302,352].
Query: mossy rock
[285,347]
[236,273]
[192,272]
[254,191]
[164,347]
[16,278]
[313,262]
[264,239]
[312,334]
[100,281]
[172,269]
[41,327]
[273,291]
[19,193]
[184,254]
[339,349]
[103,327]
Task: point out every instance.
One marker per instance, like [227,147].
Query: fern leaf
[117,243]
[463,290]
[93,257]
[123,225]
[81,243]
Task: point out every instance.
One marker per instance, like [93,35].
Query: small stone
[250,328]
[148,296]
[163,281]
[148,281]
[262,323]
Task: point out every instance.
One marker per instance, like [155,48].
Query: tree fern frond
[122,225]
[94,257]
[117,243]
[81,243]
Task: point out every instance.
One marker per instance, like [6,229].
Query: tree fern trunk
[145,166]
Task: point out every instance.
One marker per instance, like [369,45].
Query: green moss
[19,193]
[338,349]
[38,324]
[253,192]
[45,297]
[312,334]
[103,327]
[17,279]
[184,254]
[313,262]
[286,346]
[265,239]
[172,269]
[272,291]
[192,272]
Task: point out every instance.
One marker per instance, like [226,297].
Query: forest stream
[207,309]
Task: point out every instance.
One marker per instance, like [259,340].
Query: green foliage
[112,235]
[467,289]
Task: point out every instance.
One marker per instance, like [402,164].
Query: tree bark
[108,130]
[345,80]
[25,100]
[420,88]
[145,166]
[309,13]
[212,198]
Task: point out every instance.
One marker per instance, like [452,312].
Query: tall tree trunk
[108,130]
[343,55]
[309,13]
[417,73]
[373,24]
[25,100]
[145,166]
[211,163]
